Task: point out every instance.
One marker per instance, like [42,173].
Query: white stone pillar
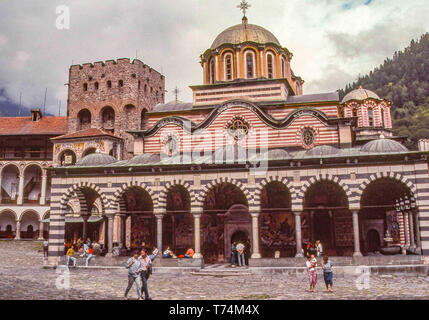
[197,232]
[357,252]
[18,230]
[43,191]
[411,222]
[255,235]
[84,227]
[298,234]
[21,190]
[110,234]
[159,231]
[41,230]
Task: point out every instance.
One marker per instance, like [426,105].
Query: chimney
[36,114]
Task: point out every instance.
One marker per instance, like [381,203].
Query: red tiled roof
[10,126]
[91,132]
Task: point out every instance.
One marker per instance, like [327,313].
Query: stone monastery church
[252,158]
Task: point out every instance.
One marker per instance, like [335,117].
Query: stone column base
[299,255]
[197,256]
[51,262]
[357,254]
[256,256]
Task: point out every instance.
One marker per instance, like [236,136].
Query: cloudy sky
[332,40]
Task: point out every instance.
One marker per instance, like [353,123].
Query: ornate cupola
[371,111]
[252,54]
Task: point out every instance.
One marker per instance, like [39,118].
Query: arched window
[212,71]
[121,83]
[85,87]
[96,85]
[228,66]
[354,112]
[270,66]
[250,65]
[283,67]
[297,88]
[84,119]
[143,119]
[370,117]
[109,84]
[108,118]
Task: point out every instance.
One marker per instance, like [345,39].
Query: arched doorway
[29,224]
[67,158]
[9,183]
[328,217]
[373,241]
[224,211]
[89,151]
[378,215]
[140,222]
[277,222]
[177,229]
[7,224]
[32,184]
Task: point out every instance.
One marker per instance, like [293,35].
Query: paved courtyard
[22,277]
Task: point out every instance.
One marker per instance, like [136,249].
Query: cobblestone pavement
[22,277]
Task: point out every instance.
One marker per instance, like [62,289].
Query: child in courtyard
[327,273]
[69,254]
[312,274]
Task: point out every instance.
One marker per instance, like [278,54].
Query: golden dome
[244,32]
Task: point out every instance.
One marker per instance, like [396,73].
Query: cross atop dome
[244,6]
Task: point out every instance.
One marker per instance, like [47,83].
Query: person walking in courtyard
[69,255]
[233,253]
[312,274]
[327,273]
[319,249]
[134,269]
[146,267]
[45,248]
[90,256]
[240,254]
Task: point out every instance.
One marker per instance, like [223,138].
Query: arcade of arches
[273,231]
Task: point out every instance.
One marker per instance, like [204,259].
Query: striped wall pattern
[260,134]
[353,180]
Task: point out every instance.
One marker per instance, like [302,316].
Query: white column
[357,252]
[255,235]
[43,191]
[18,230]
[197,231]
[159,231]
[41,230]
[410,219]
[84,227]
[110,234]
[21,190]
[298,234]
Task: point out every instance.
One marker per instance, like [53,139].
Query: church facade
[251,159]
